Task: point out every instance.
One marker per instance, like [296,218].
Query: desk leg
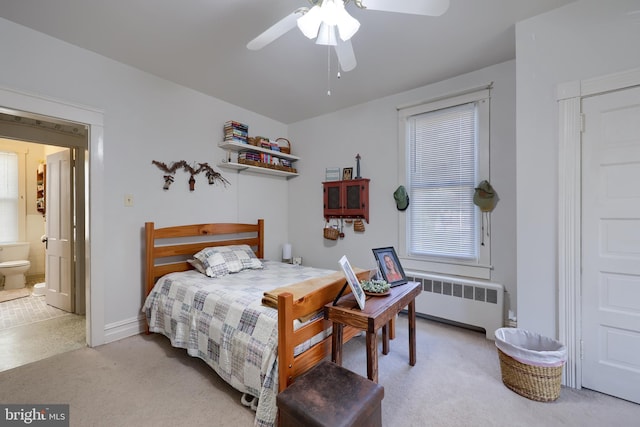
[385,338]
[412,332]
[372,356]
[392,327]
[336,344]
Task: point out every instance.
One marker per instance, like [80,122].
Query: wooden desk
[378,313]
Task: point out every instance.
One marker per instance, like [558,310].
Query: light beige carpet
[35,341]
[143,381]
[11,294]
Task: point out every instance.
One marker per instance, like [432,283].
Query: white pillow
[195,263]
[221,260]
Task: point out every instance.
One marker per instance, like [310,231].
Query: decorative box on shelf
[258,159]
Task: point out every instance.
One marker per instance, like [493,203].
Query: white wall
[145,119]
[371,130]
[585,39]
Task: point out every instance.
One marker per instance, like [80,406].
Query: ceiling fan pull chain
[328,70]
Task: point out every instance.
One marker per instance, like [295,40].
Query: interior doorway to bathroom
[38,139]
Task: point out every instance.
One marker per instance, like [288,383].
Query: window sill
[465,270]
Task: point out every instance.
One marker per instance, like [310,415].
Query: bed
[247,326]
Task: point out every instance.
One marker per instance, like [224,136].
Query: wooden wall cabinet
[346,199]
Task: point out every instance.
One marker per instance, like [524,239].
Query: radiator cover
[466,301]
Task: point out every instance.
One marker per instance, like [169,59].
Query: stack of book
[249,155]
[235,132]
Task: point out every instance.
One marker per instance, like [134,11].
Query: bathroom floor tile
[31,330]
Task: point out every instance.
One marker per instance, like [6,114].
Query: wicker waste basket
[531,364]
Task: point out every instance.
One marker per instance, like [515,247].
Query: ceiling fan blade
[276,30]
[413,7]
[346,57]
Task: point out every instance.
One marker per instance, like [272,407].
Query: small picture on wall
[347,173]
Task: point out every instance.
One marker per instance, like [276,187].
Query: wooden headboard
[165,256]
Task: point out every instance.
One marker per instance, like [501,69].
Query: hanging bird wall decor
[211,174]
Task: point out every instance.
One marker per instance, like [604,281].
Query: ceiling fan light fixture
[327,35]
[347,24]
[309,23]
[331,13]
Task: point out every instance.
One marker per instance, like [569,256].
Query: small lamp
[286,253]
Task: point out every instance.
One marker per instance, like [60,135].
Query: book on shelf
[236,139]
[236,125]
[236,132]
[249,155]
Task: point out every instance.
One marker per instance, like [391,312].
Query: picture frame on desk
[390,266]
[352,279]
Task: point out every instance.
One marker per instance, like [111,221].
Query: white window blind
[8,197]
[442,177]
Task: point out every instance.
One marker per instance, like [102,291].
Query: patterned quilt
[223,322]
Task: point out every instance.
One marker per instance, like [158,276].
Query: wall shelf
[239,148]
[257,169]
[41,189]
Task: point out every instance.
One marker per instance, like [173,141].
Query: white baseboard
[124,328]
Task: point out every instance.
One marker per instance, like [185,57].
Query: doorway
[12,101]
[611,243]
[35,326]
[597,307]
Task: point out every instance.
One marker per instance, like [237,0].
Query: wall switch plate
[128,200]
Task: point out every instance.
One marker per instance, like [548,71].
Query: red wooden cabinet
[346,199]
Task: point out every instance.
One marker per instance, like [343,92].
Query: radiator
[465,301]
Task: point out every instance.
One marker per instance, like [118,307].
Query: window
[445,154]
[9,197]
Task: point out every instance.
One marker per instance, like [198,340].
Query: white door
[611,244]
[59,230]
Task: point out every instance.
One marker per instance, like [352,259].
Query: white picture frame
[352,279]
[332,174]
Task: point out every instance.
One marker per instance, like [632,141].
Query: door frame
[569,97]
[91,211]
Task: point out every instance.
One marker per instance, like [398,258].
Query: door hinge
[581,122]
[581,350]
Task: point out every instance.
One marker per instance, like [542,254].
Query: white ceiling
[201,44]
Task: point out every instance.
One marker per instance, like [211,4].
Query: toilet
[14,263]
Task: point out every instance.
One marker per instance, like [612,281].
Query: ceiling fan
[330,24]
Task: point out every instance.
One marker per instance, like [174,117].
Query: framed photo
[389,266]
[332,174]
[347,174]
[352,279]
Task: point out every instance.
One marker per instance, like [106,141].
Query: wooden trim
[569,234]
